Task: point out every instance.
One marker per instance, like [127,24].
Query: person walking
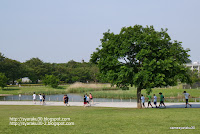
[149,100]
[84,98]
[143,100]
[67,99]
[91,98]
[87,100]
[34,98]
[161,100]
[155,100]
[43,99]
[64,99]
[186,99]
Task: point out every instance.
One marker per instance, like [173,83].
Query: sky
[58,31]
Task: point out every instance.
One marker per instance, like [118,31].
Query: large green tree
[51,80]
[12,69]
[2,62]
[3,80]
[143,57]
[36,69]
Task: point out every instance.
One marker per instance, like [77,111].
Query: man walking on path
[149,100]
[161,100]
[186,99]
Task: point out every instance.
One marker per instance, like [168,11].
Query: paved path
[97,104]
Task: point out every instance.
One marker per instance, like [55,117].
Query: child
[149,100]
[155,100]
[40,96]
[186,99]
[161,100]
[34,98]
[143,100]
[87,100]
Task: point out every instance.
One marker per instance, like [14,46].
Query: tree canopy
[141,56]
[11,68]
[3,80]
[35,69]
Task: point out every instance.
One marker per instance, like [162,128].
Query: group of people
[42,98]
[155,100]
[161,100]
[87,100]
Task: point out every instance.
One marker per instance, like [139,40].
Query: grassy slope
[102,120]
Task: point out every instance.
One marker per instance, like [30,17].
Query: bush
[19,81]
[51,80]
[3,80]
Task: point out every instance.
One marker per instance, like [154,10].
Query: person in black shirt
[43,100]
[85,102]
[67,99]
[64,99]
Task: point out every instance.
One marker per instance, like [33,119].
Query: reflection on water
[79,98]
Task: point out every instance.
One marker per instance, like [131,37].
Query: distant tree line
[35,69]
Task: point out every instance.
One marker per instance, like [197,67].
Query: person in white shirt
[143,100]
[41,98]
[155,100]
[186,99]
[34,98]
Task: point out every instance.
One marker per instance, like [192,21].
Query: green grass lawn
[28,90]
[102,120]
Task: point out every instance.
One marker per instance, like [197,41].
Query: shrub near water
[101,90]
[51,80]
[79,87]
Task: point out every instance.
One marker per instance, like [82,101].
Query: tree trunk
[139,97]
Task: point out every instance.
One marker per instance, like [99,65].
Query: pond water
[79,98]
[59,97]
